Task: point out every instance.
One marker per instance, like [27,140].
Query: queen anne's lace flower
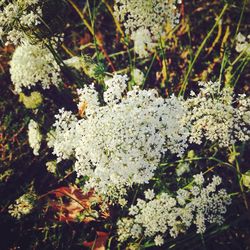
[35,136]
[146,20]
[174,215]
[116,87]
[89,101]
[32,64]
[149,194]
[120,143]
[217,116]
[159,240]
[142,42]
[17,17]
[62,139]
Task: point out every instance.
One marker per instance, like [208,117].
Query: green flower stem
[237,165]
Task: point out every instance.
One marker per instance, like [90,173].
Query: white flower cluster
[32,64]
[146,20]
[120,143]
[17,17]
[217,116]
[23,205]
[138,76]
[243,44]
[35,136]
[157,216]
[62,139]
[51,166]
[88,100]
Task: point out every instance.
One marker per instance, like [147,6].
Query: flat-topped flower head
[120,142]
[155,217]
[216,115]
[146,21]
[17,18]
[33,64]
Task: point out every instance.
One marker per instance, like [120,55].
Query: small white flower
[149,194]
[158,240]
[138,76]
[142,42]
[241,38]
[88,99]
[116,86]
[51,166]
[243,43]
[123,202]
[199,179]
[35,136]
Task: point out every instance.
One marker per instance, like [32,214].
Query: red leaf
[76,204]
[99,243]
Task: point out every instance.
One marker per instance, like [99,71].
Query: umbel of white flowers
[16,17]
[146,20]
[121,142]
[156,217]
[216,115]
[33,64]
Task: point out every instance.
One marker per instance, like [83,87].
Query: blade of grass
[148,71]
[184,85]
